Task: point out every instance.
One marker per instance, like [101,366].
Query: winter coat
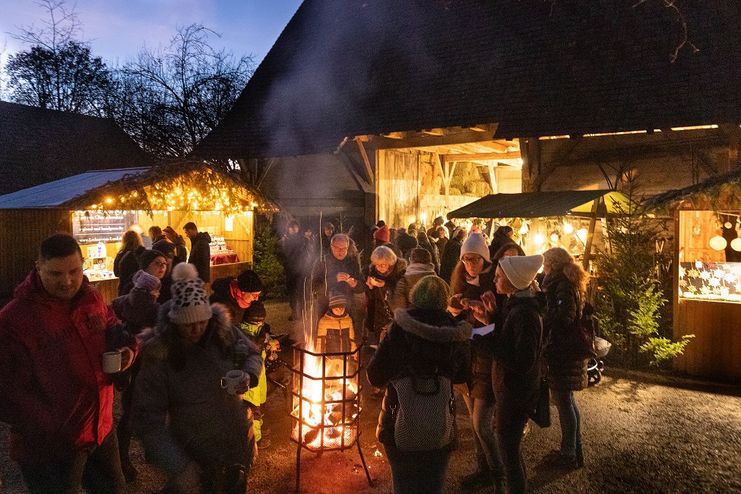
[516,349]
[379,311]
[138,309]
[294,250]
[480,385]
[221,288]
[338,333]
[180,411]
[181,253]
[427,341]
[53,391]
[402,296]
[450,258]
[200,255]
[125,265]
[324,279]
[565,370]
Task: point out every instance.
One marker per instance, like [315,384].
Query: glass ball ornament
[718,243]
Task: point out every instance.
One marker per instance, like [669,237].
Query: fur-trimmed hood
[457,331]
[418,268]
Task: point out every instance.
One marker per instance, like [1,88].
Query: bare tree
[57,71]
[170,99]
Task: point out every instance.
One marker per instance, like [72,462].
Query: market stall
[97,207]
[707,288]
[542,220]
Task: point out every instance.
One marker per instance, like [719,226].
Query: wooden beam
[492,179]
[482,156]
[366,162]
[362,183]
[590,234]
[434,132]
[410,140]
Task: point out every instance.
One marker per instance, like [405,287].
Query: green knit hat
[431,292]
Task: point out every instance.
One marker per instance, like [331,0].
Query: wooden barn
[98,206]
[39,145]
[405,110]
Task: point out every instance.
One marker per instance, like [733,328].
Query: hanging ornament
[718,243]
[736,244]
[727,225]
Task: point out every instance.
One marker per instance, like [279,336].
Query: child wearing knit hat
[254,326]
[335,332]
[138,308]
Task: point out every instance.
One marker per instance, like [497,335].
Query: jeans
[99,469]
[568,415]
[418,472]
[482,422]
[511,417]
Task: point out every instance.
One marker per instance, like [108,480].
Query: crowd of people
[416,300]
[441,312]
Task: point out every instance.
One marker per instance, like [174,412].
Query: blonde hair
[131,240]
[383,254]
[560,260]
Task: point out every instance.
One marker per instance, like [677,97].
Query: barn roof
[39,145]
[343,68]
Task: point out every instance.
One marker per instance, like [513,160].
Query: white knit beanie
[189,300]
[475,244]
[521,270]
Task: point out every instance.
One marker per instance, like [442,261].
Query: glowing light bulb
[524,229]
[568,228]
[581,233]
[539,239]
[554,237]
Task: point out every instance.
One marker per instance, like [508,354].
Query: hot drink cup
[232,381]
[112,362]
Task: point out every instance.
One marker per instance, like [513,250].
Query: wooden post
[492,178]
[590,234]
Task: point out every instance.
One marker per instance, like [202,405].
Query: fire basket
[325,403]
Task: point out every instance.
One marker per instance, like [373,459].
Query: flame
[328,418]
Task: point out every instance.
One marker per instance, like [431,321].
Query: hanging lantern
[718,243]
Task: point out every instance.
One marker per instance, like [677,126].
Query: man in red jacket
[55,395]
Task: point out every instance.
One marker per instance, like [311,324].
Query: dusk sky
[117,29]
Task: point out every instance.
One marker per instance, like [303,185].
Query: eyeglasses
[472,259]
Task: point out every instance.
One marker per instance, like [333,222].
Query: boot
[477,480]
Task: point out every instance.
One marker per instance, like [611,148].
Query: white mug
[232,380]
[112,362]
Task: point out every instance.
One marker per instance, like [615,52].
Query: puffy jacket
[55,395]
[379,313]
[180,411]
[200,255]
[565,371]
[425,340]
[338,333]
[402,296]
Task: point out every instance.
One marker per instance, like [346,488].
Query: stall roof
[542,204]
[58,192]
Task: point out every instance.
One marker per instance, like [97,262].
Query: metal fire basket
[325,403]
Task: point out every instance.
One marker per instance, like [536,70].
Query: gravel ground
[640,435]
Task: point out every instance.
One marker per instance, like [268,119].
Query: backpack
[424,417]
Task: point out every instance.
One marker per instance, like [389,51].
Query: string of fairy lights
[202,190]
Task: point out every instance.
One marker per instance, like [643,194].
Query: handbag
[541,415]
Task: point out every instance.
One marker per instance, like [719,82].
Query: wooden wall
[21,234]
[715,351]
